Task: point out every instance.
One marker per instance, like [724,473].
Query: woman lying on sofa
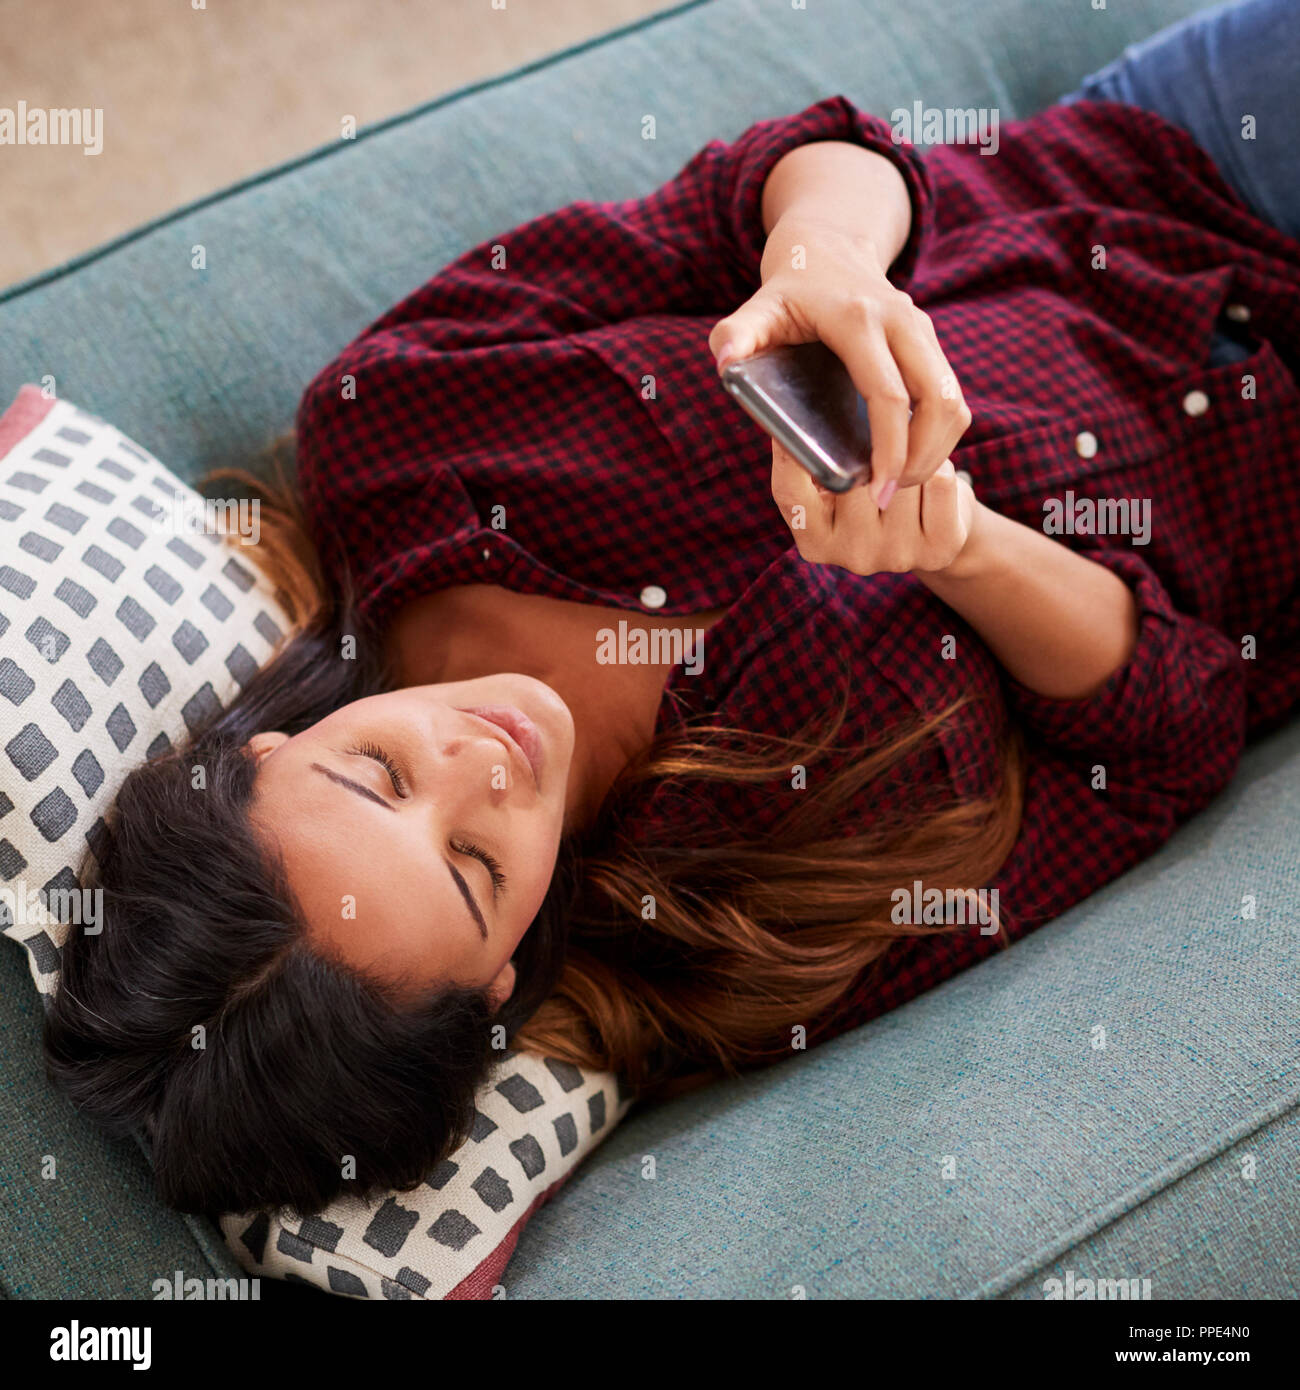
[458,812]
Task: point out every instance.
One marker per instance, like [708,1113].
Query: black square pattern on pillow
[118,638]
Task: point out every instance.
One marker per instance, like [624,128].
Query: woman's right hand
[840,295]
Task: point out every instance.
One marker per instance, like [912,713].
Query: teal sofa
[976,1143]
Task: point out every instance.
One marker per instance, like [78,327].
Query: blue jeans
[1205,74]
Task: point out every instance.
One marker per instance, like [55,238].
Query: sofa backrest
[205,367]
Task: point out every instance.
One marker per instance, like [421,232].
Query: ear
[262,744]
[503,986]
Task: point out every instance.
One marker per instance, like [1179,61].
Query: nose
[477,760]
[471,761]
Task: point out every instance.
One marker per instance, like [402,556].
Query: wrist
[842,186]
[818,233]
[839,189]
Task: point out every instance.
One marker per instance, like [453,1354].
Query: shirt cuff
[757,151]
[1164,692]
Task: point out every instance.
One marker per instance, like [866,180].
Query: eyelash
[491,864]
[373,750]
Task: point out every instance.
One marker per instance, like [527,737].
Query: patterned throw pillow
[118,634]
[453,1235]
[122,629]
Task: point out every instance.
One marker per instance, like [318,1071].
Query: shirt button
[652,596]
[1085,444]
[1238,313]
[1196,403]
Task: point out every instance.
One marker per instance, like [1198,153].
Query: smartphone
[804,397]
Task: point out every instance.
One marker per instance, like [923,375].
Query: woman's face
[419,829]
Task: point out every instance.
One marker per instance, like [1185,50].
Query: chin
[539,702]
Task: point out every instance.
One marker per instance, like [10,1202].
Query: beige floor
[194,99]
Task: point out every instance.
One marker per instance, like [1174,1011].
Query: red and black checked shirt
[574,388]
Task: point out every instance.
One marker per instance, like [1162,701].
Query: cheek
[537,868]
[539,882]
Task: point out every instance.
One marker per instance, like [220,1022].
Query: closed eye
[374,751]
[491,864]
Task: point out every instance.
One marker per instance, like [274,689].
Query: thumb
[761,322]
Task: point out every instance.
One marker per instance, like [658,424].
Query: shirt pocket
[1045,458]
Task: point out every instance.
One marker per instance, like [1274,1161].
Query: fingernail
[886,494]
[725,356]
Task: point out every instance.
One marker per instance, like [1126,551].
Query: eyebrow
[354,786]
[469,898]
[362,790]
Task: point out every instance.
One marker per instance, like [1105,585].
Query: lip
[521,733]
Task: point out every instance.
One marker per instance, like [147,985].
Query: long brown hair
[689,961]
[752,939]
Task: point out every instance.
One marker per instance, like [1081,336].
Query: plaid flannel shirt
[1075,281]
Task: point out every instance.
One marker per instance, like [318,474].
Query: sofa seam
[1168,1178]
[85,258]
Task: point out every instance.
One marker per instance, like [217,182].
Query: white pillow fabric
[121,631]
[118,634]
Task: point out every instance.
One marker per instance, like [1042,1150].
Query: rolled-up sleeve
[712,210]
[1171,720]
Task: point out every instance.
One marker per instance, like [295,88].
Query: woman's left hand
[926,530]
[823,283]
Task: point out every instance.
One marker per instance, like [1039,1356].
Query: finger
[900,532]
[940,521]
[939,415]
[762,321]
[950,390]
[807,509]
[859,340]
[856,530]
